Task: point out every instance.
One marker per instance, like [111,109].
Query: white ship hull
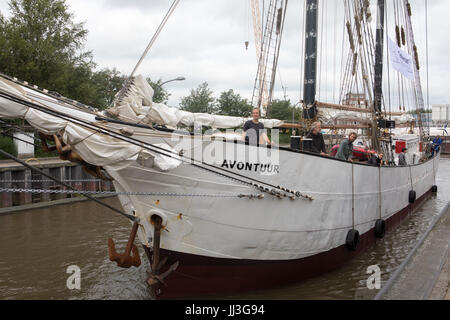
[258,239]
[269,228]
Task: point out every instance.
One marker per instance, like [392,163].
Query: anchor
[155,277]
[126,260]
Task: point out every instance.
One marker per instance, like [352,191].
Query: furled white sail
[328,116]
[138,106]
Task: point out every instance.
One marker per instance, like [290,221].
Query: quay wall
[16,176]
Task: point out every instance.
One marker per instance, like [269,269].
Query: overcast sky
[204,41]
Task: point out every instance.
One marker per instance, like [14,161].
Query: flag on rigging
[401,61]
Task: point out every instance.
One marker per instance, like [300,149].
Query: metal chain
[159,194]
[70,180]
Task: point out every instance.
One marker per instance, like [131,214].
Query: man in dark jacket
[376,160]
[316,144]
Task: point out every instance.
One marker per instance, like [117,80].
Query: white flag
[401,61]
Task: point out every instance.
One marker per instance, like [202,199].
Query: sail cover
[138,106]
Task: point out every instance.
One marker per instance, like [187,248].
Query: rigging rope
[427,62]
[152,41]
[173,155]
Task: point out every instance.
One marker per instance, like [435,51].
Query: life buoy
[434,189]
[380,228]
[352,240]
[412,196]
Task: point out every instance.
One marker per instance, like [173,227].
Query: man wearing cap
[402,158]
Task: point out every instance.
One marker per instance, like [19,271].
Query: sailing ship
[215,214]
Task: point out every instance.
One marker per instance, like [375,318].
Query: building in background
[441,114]
[355,99]
[427,120]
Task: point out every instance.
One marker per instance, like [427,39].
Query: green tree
[200,100]
[41,44]
[232,104]
[7,145]
[283,110]
[107,83]
[421,110]
[161,95]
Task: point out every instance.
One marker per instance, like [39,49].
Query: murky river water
[38,246]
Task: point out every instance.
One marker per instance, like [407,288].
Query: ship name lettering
[255,167]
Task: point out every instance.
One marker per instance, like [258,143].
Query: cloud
[204,41]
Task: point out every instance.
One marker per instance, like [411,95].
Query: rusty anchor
[155,276]
[126,260]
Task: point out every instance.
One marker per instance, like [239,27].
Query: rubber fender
[380,228]
[434,189]
[412,196]
[352,240]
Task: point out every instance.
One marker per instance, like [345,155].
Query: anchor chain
[159,194]
[293,195]
[69,180]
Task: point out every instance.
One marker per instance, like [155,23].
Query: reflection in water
[36,248]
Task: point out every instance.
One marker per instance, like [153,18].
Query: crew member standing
[376,160]
[253,131]
[345,151]
[402,158]
[317,144]
[437,144]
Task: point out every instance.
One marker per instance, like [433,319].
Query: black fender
[352,240]
[380,228]
[412,196]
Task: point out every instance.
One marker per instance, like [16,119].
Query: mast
[378,85]
[310,80]
[378,79]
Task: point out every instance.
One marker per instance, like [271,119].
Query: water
[38,246]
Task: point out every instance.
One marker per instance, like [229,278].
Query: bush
[7,145]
